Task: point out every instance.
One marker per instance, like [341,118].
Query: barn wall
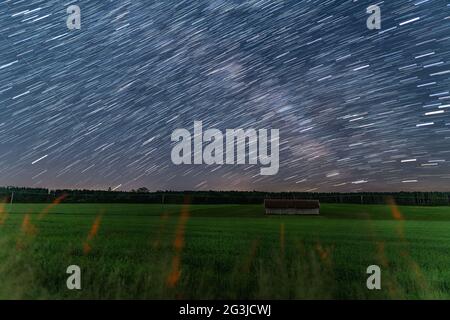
[292,211]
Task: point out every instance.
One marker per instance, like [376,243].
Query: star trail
[357,109]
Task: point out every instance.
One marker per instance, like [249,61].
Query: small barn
[292,207]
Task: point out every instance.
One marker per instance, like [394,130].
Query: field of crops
[223,252]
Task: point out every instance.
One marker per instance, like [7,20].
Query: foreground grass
[222,252]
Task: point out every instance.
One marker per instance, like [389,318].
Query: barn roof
[291,204]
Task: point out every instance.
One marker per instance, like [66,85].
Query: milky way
[357,109]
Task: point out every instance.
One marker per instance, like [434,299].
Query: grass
[223,252]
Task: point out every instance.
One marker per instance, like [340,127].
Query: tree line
[143,195]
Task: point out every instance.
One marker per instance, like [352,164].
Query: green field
[223,252]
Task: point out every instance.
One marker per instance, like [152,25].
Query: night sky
[357,109]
